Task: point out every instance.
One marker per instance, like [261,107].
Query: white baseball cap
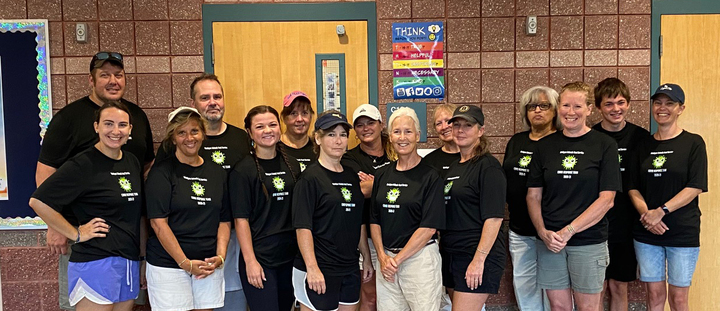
[367,110]
[179,110]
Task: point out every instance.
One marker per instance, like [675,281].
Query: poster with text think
[418,60]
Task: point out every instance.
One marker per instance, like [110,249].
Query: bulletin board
[25,112]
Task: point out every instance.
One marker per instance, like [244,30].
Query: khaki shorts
[581,268]
[417,284]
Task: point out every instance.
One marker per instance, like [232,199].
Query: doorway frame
[670,7]
[295,12]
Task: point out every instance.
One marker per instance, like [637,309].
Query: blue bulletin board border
[40,28]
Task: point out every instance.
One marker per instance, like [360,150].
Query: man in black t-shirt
[71,132]
[612,98]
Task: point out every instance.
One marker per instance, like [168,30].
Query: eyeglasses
[533,106]
[106,55]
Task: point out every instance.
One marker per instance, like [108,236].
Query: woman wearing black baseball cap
[327,215]
[668,176]
[472,245]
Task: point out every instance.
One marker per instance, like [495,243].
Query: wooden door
[691,59]
[260,62]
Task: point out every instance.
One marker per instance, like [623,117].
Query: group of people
[262,218]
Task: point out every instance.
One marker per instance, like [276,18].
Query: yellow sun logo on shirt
[198,189]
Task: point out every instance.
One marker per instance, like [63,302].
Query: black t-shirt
[270,217]
[194,201]
[305,155]
[359,161]
[516,165]
[572,172]
[474,191]
[623,214]
[226,149]
[71,131]
[662,170]
[92,185]
[330,205]
[403,201]
[441,160]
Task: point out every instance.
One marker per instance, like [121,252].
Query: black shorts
[623,263]
[339,290]
[454,267]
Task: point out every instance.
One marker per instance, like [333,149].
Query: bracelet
[182,262]
[570,228]
[190,268]
[482,251]
[77,240]
[222,259]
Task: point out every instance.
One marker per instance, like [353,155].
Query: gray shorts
[580,267]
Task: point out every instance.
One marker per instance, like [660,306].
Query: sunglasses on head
[106,55]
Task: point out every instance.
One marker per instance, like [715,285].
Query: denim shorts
[581,268]
[681,263]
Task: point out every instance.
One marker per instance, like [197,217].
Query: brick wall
[489,60]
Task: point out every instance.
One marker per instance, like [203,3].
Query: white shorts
[173,289]
[373,254]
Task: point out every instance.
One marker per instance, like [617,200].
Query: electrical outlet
[531,25]
[81,32]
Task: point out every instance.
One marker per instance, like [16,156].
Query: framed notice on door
[330,82]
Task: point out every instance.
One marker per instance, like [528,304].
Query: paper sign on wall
[418,60]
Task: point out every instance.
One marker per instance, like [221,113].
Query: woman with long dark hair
[261,188]
[103,188]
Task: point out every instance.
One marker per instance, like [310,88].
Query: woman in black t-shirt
[373,153]
[297,114]
[441,158]
[472,244]
[188,209]
[407,210]
[102,186]
[667,178]
[327,215]
[571,185]
[538,111]
[260,196]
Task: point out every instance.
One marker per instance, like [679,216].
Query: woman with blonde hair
[573,177]
[442,157]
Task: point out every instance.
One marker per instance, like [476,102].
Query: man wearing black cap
[71,132]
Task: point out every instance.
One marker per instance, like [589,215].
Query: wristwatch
[665,209]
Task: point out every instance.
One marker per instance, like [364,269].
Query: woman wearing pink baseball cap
[297,114]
